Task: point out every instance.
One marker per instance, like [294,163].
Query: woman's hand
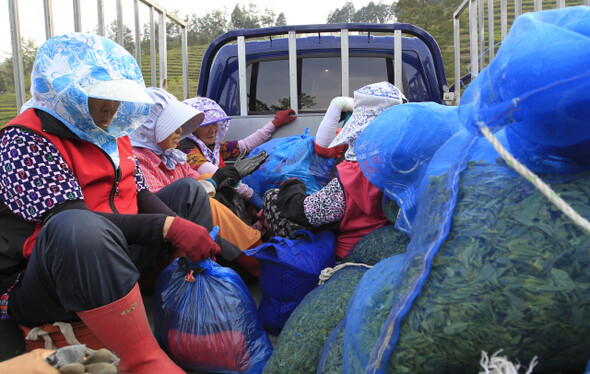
[283,117]
[191,239]
[29,363]
[226,176]
[246,166]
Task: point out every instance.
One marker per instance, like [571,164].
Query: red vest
[93,169]
[364,212]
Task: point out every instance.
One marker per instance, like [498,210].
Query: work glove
[70,360]
[226,176]
[246,166]
[283,117]
[291,200]
[191,239]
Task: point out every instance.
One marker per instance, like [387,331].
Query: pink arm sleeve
[207,168]
[260,136]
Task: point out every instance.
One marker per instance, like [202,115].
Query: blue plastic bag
[206,320]
[289,157]
[289,270]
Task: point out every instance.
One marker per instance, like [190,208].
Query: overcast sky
[32,17]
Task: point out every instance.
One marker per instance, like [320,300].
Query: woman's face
[172,140]
[207,134]
[102,111]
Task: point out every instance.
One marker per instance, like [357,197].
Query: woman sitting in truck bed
[154,145]
[349,200]
[79,228]
[207,151]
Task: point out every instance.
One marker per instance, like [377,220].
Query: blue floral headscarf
[66,66]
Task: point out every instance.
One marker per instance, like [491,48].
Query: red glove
[191,239]
[283,117]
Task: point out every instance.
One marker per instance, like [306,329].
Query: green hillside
[7,107]
[195,56]
[448,50]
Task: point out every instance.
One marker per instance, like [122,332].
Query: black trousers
[82,261]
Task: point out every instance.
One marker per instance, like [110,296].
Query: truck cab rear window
[320,80]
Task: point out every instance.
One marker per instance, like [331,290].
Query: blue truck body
[252,73]
[423,73]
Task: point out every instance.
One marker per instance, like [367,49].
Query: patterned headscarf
[213,114]
[67,66]
[369,102]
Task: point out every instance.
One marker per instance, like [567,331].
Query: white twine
[327,273]
[501,365]
[37,332]
[67,331]
[536,181]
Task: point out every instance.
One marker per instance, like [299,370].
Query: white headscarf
[71,68]
[369,102]
[166,116]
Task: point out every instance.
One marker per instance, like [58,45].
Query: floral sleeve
[326,205]
[195,158]
[229,149]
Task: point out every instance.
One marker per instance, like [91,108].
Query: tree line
[435,16]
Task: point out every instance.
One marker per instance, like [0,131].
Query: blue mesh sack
[289,157]
[492,264]
[332,359]
[206,320]
[513,274]
[289,270]
[395,149]
[380,243]
[538,85]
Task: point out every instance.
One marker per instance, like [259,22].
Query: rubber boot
[123,327]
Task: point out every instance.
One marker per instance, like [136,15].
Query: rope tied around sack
[67,331]
[327,273]
[535,180]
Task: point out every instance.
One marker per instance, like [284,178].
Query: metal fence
[477,30]
[155,11]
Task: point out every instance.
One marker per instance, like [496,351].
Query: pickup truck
[255,72]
